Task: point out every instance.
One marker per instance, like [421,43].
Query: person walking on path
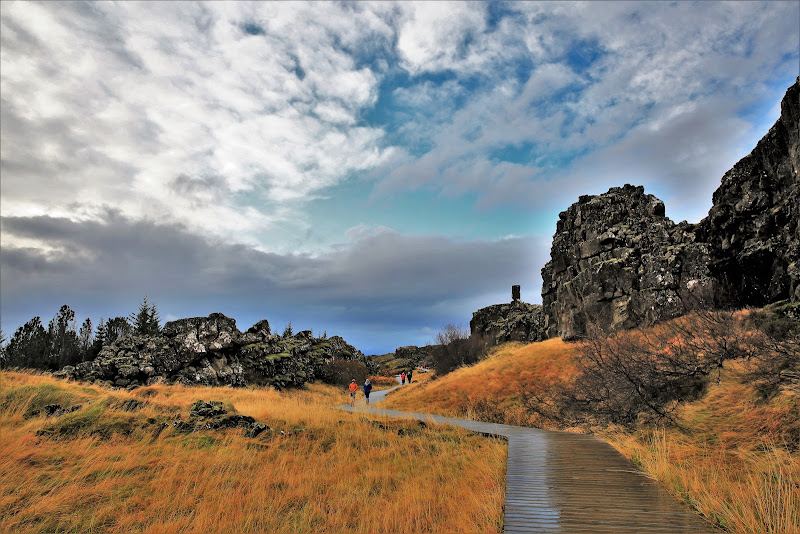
[408,375]
[353,388]
[367,389]
[403,377]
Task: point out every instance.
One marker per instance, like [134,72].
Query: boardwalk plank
[558,482]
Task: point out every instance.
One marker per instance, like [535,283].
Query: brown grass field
[493,390]
[102,469]
[734,460]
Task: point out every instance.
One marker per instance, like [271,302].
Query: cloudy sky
[373,170]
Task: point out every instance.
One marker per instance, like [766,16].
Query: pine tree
[86,338]
[154,325]
[29,346]
[64,347]
[146,321]
[287,332]
[99,337]
[117,328]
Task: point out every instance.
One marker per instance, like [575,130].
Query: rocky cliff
[618,262]
[513,321]
[752,228]
[212,351]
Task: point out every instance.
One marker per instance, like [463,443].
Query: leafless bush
[340,372]
[646,374]
[775,362]
[456,347]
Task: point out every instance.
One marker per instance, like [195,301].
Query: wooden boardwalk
[563,482]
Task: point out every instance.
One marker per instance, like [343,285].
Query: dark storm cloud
[377,288]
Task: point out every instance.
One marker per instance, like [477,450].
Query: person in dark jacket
[408,375]
[367,389]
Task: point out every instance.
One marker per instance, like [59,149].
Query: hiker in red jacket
[403,377]
[353,388]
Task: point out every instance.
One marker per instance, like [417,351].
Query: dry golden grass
[735,458]
[382,382]
[494,388]
[105,470]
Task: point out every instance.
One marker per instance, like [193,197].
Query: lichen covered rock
[618,262]
[212,351]
[513,321]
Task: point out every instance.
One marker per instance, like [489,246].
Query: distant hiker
[408,375]
[353,388]
[367,389]
[403,377]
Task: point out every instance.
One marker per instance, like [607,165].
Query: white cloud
[432,35]
[602,75]
[108,104]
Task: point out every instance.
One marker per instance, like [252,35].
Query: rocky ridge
[212,351]
[618,262]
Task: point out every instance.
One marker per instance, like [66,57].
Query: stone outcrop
[514,321]
[212,351]
[413,356]
[752,228]
[618,262]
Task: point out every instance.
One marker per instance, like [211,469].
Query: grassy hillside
[495,389]
[119,466]
[731,454]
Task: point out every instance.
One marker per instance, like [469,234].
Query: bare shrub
[456,347]
[646,374]
[775,362]
[340,372]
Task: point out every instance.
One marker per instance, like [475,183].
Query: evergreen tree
[29,346]
[287,332]
[146,321]
[99,338]
[117,328]
[64,345]
[86,338]
[155,321]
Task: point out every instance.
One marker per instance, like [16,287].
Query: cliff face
[618,262]
[212,351]
[752,228]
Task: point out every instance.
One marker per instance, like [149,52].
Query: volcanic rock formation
[752,228]
[514,321]
[618,262]
[212,351]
